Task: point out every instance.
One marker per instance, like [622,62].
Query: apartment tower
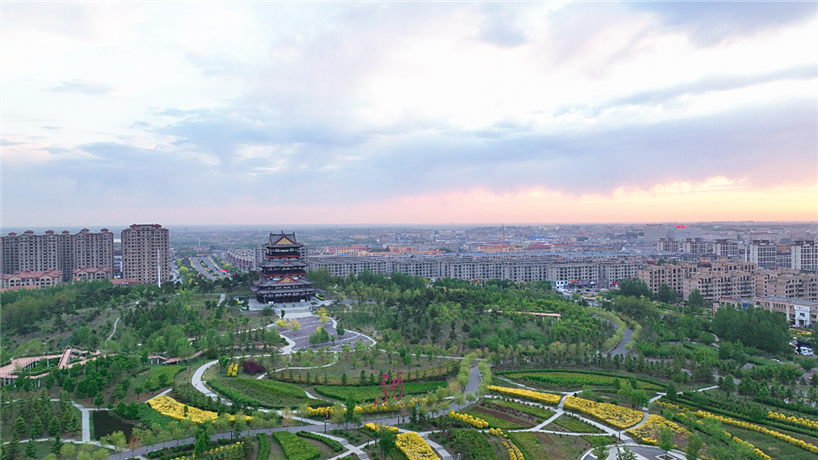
[145,253]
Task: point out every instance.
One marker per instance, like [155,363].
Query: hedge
[263,446]
[367,394]
[333,444]
[296,448]
[766,421]
[577,371]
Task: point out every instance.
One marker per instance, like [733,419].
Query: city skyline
[415,114]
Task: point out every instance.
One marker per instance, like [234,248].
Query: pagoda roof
[284,281]
[283,240]
[293,263]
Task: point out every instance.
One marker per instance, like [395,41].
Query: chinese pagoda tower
[283,275]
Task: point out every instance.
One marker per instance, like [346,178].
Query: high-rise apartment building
[804,256]
[762,253]
[64,252]
[727,248]
[145,253]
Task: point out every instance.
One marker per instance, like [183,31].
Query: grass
[575,426]
[267,392]
[529,445]
[150,380]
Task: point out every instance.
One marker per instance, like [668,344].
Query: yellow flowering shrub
[388,406]
[649,432]
[473,421]
[618,416]
[415,447]
[751,426]
[497,432]
[233,369]
[793,420]
[173,408]
[376,427]
[514,452]
[545,398]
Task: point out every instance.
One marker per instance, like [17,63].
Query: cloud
[710,23]
[6,142]
[711,83]
[91,88]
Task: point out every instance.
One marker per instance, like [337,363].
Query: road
[197,264]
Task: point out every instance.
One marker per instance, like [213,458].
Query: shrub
[473,444]
[296,448]
[333,444]
[252,367]
[263,446]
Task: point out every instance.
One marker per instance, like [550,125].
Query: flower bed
[751,426]
[296,448]
[532,410]
[568,379]
[473,444]
[415,447]
[648,433]
[166,405]
[545,398]
[333,444]
[617,416]
[466,418]
[724,436]
[374,427]
[793,420]
[267,393]
[513,451]
[389,406]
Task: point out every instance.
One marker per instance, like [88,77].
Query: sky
[413,113]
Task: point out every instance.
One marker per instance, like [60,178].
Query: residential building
[800,313]
[762,253]
[714,278]
[30,279]
[145,253]
[804,256]
[63,252]
[726,248]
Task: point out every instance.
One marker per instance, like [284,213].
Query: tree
[67,450]
[694,446]
[239,425]
[386,440]
[625,454]
[695,299]
[666,294]
[634,288]
[116,439]
[37,427]
[727,384]
[100,399]
[349,415]
[31,449]
[665,439]
[202,442]
[340,330]
[600,450]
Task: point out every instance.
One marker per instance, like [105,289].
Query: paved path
[114,331]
